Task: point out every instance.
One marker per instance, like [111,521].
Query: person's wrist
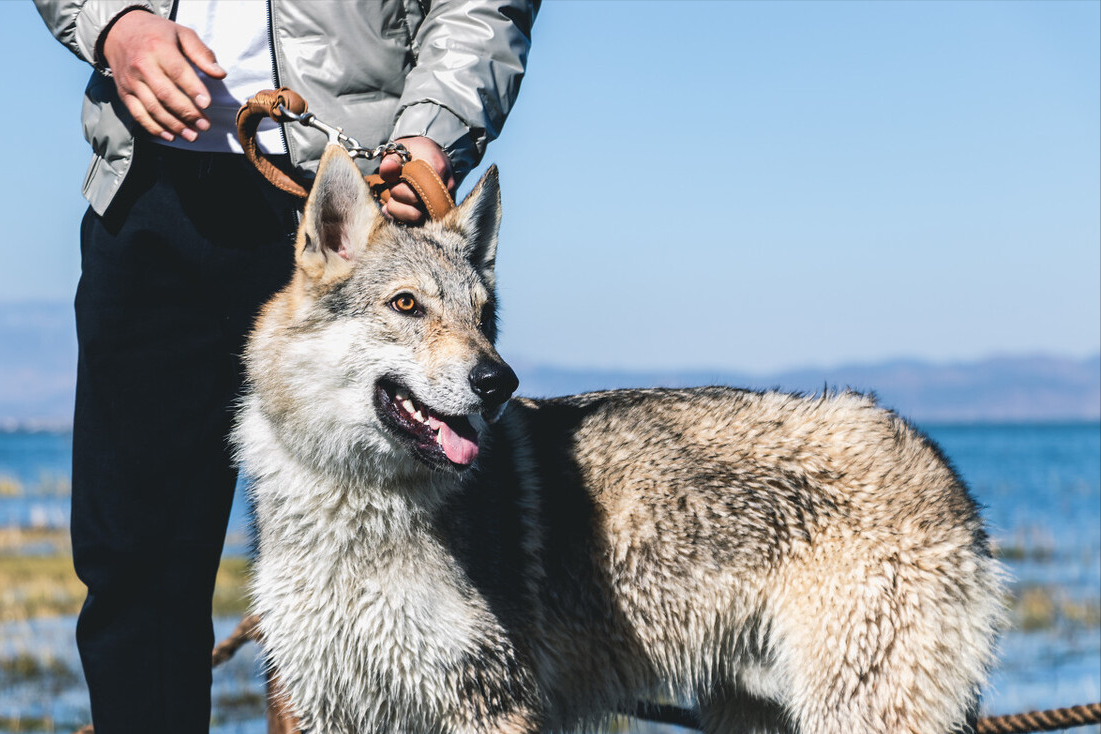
[101,63]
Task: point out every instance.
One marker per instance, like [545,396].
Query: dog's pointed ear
[478,220]
[340,213]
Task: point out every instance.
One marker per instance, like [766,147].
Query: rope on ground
[1041,720]
[1033,721]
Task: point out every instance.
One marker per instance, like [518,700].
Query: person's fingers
[431,153]
[390,168]
[199,54]
[403,212]
[162,116]
[404,193]
[141,116]
[178,104]
[404,205]
[185,79]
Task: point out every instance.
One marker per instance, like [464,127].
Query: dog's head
[384,340]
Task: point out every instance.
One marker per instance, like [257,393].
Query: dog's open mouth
[439,440]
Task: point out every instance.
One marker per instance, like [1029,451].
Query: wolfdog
[437,558]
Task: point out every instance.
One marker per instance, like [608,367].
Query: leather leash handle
[424,180]
[418,174]
[263,104]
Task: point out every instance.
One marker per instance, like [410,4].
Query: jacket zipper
[296,213]
[275,67]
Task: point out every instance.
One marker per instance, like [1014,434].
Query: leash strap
[269,103]
[424,180]
[284,105]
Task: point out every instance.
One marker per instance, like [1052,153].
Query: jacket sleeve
[470,59]
[78,24]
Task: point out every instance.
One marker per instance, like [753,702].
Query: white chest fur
[361,606]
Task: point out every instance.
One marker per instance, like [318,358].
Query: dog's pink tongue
[459,449]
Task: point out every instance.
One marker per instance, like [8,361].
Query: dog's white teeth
[412,409]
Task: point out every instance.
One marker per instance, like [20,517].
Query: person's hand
[150,58]
[404,205]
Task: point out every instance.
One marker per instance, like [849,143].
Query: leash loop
[286,106]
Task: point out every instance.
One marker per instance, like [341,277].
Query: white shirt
[239,34]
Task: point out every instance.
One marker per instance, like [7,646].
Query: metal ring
[284,112]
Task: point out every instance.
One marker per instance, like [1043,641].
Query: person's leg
[171,280]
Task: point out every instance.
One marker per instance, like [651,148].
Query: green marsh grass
[34,586]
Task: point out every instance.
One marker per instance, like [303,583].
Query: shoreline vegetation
[42,583]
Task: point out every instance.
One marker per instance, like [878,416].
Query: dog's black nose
[493,382]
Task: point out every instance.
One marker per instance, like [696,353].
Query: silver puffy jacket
[449,70]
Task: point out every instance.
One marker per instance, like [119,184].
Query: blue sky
[733,185]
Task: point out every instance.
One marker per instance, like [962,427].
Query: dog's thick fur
[784,563]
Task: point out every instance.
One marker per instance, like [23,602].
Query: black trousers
[171,280]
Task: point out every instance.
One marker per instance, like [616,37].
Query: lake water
[1040,486]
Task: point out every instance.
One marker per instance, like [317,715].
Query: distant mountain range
[38,366]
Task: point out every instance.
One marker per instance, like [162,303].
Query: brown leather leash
[285,106]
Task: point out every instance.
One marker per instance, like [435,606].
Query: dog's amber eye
[404,303]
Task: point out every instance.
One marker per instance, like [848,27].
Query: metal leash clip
[337,136]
